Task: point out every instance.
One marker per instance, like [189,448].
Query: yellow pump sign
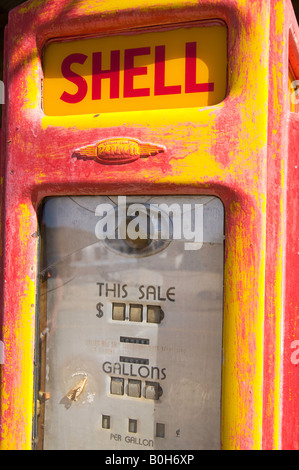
[176,68]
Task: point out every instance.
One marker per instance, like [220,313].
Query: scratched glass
[131,310]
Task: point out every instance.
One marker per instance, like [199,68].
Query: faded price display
[133,323]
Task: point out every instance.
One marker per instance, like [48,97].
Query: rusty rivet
[44,395]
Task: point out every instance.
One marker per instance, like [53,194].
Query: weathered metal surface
[237,150]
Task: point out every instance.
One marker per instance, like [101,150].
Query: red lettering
[160,88]
[190,72]
[130,72]
[74,78]
[98,74]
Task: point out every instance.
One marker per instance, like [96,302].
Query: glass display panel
[131,306]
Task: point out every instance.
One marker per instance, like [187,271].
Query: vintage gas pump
[148,228]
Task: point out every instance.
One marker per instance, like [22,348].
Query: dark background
[6,5]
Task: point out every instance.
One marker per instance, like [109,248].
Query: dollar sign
[99,309]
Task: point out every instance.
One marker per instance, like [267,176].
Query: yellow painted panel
[174,68]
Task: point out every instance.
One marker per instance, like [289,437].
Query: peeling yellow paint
[17,342]
[31,5]
[279,18]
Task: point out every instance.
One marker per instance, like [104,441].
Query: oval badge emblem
[118,150]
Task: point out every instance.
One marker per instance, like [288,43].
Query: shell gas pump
[149,226]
